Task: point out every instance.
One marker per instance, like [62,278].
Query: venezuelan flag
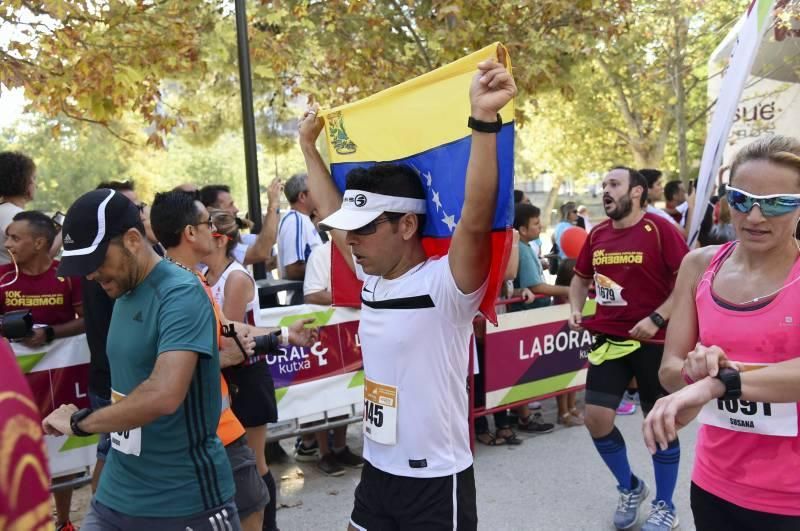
[423,123]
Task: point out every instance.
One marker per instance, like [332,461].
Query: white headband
[362,201]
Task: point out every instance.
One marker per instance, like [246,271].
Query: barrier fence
[530,355]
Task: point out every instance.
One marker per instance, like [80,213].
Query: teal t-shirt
[181,468]
[530,273]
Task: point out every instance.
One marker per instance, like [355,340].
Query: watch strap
[732,381]
[75,420]
[485,127]
[49,333]
[658,320]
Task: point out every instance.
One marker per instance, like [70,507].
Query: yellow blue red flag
[423,123]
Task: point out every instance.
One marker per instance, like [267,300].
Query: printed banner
[423,123]
[533,353]
[58,374]
[757,19]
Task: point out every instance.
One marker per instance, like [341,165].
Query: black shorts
[388,502]
[252,394]
[712,513]
[606,383]
[251,491]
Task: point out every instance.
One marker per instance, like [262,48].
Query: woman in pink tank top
[732,353]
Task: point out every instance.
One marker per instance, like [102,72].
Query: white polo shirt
[415,332]
[296,238]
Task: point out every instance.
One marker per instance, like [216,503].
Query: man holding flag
[416,318]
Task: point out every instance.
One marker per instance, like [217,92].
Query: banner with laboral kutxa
[423,123]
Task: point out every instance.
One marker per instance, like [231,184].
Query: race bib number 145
[380,412]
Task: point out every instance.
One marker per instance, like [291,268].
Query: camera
[17,324]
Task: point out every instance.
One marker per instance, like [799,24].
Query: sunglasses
[770,205]
[372,226]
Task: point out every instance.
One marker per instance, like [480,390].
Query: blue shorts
[104,443]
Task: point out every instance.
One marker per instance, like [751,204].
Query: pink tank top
[752,470]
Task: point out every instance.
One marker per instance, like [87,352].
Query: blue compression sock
[665,465]
[612,450]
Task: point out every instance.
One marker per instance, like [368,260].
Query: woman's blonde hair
[778,149]
[225,222]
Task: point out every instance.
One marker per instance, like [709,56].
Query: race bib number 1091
[380,412]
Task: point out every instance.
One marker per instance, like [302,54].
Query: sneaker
[662,517]
[348,458]
[535,425]
[630,501]
[305,454]
[328,465]
[626,408]
[631,397]
[67,526]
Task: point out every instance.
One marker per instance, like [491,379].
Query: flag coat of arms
[423,123]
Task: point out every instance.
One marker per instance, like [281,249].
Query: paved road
[551,482]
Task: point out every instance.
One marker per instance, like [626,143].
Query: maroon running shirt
[634,272]
[51,299]
[24,478]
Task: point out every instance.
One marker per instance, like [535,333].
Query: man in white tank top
[416,321]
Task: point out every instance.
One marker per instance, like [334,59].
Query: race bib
[609,293]
[380,412]
[130,441]
[762,418]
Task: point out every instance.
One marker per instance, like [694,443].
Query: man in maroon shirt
[633,259]
[55,302]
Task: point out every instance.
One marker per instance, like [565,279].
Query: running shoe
[535,424]
[631,397]
[306,454]
[328,465]
[662,517]
[67,526]
[630,501]
[348,458]
[626,408]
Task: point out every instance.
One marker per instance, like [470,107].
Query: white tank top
[218,290]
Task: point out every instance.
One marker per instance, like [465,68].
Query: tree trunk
[551,201]
[678,68]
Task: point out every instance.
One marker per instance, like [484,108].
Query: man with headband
[416,321]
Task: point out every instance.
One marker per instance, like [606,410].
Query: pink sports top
[748,453]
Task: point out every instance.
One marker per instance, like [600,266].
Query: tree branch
[622,100]
[410,26]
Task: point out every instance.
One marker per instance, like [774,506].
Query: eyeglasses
[140,207]
[770,205]
[208,222]
[220,235]
[372,226]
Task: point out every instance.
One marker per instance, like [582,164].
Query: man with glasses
[167,468]
[416,320]
[632,258]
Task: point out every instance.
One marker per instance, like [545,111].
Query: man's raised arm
[492,88]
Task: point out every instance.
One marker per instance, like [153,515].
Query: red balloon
[572,241]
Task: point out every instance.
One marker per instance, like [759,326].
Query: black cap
[91,222]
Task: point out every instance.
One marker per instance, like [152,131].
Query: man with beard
[633,259]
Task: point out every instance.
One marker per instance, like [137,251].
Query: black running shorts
[606,383]
[712,513]
[252,394]
[385,502]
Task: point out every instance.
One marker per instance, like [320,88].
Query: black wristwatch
[733,383]
[76,418]
[485,127]
[658,320]
[49,334]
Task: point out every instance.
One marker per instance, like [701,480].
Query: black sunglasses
[372,226]
[141,206]
[209,222]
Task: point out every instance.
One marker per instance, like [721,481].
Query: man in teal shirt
[530,276]
[168,469]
